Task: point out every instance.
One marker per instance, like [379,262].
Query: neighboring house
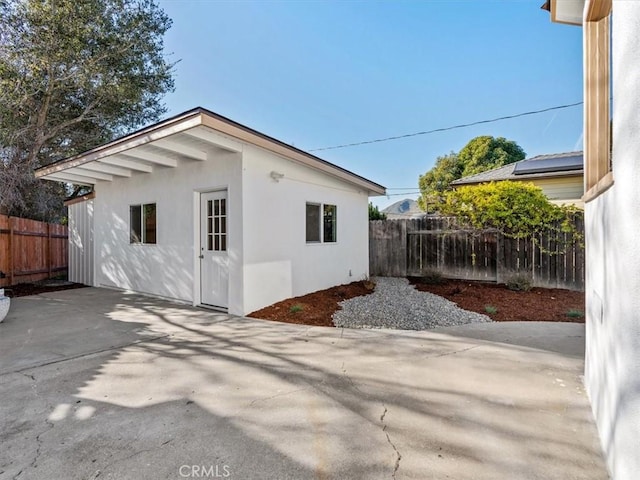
[611,40]
[560,176]
[201,209]
[406,208]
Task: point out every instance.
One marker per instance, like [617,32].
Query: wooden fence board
[411,247]
[31,250]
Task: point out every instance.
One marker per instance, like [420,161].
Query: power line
[444,129]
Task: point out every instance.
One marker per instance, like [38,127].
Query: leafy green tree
[516,209]
[436,181]
[485,153]
[73,74]
[480,154]
[375,213]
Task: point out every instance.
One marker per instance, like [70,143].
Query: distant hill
[406,208]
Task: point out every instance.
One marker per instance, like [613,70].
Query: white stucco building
[203,210]
[611,32]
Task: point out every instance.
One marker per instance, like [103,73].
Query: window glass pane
[217,242]
[223,206]
[209,242]
[223,225]
[216,207]
[313,223]
[330,223]
[209,225]
[217,225]
[209,203]
[135,223]
[223,243]
[150,223]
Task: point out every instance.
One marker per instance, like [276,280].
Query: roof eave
[200,116]
[570,173]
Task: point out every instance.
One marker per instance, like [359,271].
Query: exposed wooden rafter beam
[105,168]
[127,162]
[89,174]
[180,149]
[70,178]
[152,157]
[217,140]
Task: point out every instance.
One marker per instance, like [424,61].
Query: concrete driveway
[101,384]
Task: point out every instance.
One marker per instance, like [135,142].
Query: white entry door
[214,266]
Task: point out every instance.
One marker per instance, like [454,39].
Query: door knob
[200,256]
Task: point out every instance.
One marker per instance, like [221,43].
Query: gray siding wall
[81,242]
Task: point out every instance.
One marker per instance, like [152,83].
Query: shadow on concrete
[268,400]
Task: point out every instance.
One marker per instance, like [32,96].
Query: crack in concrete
[266,399]
[384,430]
[34,462]
[455,352]
[353,384]
[82,355]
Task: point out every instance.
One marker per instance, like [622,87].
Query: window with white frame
[142,223]
[321,223]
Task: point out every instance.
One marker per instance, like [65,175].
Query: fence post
[499,257]
[11,251]
[404,253]
[49,248]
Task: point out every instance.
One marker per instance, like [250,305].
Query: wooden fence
[411,247]
[31,250]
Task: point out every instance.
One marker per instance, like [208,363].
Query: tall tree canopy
[73,74]
[479,155]
[486,152]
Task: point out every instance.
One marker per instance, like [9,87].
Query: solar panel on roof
[548,165]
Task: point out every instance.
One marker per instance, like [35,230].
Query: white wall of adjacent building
[612,222]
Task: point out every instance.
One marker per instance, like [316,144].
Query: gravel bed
[397,304]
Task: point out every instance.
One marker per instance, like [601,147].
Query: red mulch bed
[314,308]
[24,289]
[538,304]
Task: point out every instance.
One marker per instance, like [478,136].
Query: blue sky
[317,74]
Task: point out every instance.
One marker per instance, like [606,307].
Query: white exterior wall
[612,222]
[81,242]
[279,263]
[170,268]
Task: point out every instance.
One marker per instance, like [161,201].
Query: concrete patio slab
[100,384]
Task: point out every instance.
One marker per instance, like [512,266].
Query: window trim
[321,240]
[598,176]
[143,233]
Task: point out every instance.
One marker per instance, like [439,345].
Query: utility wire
[444,129]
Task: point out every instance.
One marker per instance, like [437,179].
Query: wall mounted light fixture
[276,175]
